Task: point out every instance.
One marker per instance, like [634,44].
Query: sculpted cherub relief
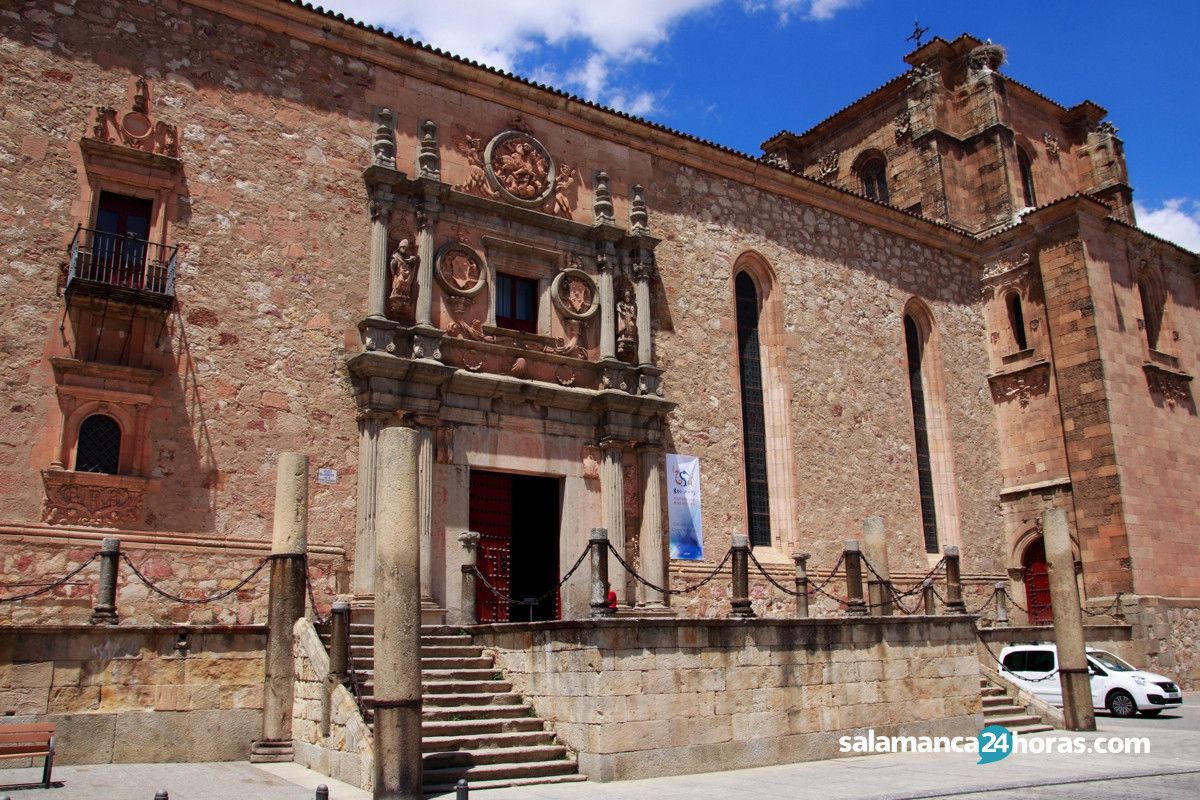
[477,180]
[560,204]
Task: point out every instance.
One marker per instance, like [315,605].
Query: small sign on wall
[326,475]
[686,533]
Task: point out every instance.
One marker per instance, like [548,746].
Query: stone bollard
[879,595]
[954,598]
[322,792]
[801,560]
[741,577]
[460,790]
[1078,713]
[105,611]
[289,543]
[398,766]
[599,546]
[339,641]
[1001,606]
[470,543]
[855,606]
[928,597]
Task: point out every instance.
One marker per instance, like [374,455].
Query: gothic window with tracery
[874,179]
[754,433]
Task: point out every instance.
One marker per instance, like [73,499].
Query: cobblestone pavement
[1170,770]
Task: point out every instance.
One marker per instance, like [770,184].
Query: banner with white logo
[683,507]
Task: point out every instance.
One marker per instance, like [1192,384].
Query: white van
[1116,686]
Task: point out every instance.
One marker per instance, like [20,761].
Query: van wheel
[1121,704]
[1153,712]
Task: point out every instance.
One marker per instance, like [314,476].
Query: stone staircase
[1000,709]
[473,725]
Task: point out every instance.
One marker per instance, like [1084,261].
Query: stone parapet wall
[189,572]
[329,733]
[636,698]
[133,694]
[1169,630]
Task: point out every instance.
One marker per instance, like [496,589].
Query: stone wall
[133,695]
[329,733]
[640,698]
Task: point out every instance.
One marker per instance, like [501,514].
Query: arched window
[1016,320]
[1026,168]
[754,435]
[873,173]
[1152,308]
[99,447]
[916,352]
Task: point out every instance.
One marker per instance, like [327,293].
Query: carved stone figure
[577,294]
[627,332]
[827,165]
[560,204]
[477,180]
[521,168]
[403,269]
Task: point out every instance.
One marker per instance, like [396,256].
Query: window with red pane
[516,302]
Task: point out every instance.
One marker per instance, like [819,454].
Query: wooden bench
[34,740]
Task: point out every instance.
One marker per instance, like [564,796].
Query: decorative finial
[918,33]
[384,146]
[428,160]
[141,100]
[639,220]
[602,204]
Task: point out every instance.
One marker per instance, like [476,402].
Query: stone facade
[332,213]
[644,699]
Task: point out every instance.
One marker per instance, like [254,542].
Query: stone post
[398,620]
[339,641]
[928,597]
[954,598]
[599,555]
[470,543]
[1001,605]
[650,540]
[740,602]
[426,215]
[608,335]
[879,595]
[382,203]
[369,424]
[289,543]
[1068,623]
[425,510]
[801,561]
[105,610]
[612,499]
[854,587]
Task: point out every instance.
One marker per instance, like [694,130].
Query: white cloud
[806,9]
[1177,220]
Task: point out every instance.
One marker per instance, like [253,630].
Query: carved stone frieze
[520,168]
[776,160]
[477,180]
[136,128]
[1052,144]
[1174,387]
[560,204]
[827,165]
[459,269]
[96,500]
[574,294]
[1021,384]
[903,124]
[1005,265]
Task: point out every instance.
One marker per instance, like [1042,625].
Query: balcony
[124,268]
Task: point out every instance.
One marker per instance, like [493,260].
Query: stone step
[491,772]
[1033,727]
[452,651]
[1007,710]
[447,729]
[500,783]
[1013,720]
[517,710]
[452,698]
[992,691]
[508,756]
[996,700]
[431,685]
[460,674]
[485,741]
[481,662]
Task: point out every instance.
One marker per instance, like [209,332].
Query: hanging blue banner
[683,507]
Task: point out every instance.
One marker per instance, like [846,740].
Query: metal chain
[504,598]
[1107,610]
[50,586]
[312,597]
[999,663]
[195,600]
[685,590]
[771,580]
[987,602]
[833,573]
[1008,598]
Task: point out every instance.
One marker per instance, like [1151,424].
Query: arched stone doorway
[1037,583]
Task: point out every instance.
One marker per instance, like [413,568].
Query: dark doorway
[119,246]
[517,517]
[1037,584]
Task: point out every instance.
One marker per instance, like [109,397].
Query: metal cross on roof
[918,33]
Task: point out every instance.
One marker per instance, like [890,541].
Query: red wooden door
[1037,584]
[491,516]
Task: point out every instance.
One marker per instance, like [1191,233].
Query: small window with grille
[99,447]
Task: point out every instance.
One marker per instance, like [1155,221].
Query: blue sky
[738,71]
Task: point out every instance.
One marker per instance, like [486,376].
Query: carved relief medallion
[574,294]
[460,270]
[520,168]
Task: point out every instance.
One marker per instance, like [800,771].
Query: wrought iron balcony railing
[122,266]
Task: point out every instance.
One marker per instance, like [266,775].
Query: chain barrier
[685,590]
[312,597]
[1000,663]
[1107,610]
[50,586]
[195,600]
[533,601]
[833,573]
[1010,600]
[771,580]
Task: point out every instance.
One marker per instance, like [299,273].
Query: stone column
[105,610]
[470,543]
[801,562]
[608,334]
[854,589]
[1068,623]
[425,510]
[954,598]
[369,424]
[289,543]
[612,499]
[1001,605]
[650,548]
[382,203]
[740,561]
[642,270]
[879,598]
[426,217]
[598,544]
[398,620]
[928,598]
